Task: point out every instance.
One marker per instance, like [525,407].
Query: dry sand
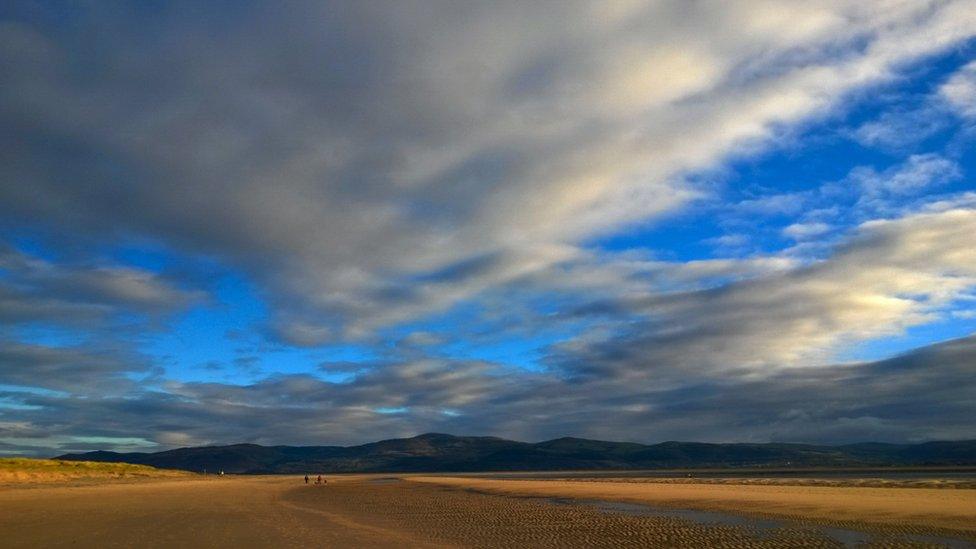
[424,511]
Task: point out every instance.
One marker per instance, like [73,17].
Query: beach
[443,511]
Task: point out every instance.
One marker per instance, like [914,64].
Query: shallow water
[384,480]
[762,526]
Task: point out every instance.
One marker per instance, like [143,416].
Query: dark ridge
[441,452]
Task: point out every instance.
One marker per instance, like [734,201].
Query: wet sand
[931,508]
[423,511]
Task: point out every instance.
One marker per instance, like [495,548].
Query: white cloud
[959,91]
[897,130]
[803,231]
[891,275]
[776,204]
[919,172]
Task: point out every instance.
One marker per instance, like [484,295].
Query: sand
[921,507]
[426,511]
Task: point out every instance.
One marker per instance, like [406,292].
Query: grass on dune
[41,470]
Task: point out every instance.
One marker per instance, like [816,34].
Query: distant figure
[306,479]
[318,480]
[221,472]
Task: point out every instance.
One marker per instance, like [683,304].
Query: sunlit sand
[436,511]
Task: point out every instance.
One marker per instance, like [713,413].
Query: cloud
[897,130]
[913,118]
[368,166]
[803,231]
[893,399]
[84,370]
[775,328]
[736,240]
[344,172]
[889,276]
[959,91]
[748,359]
[421,339]
[922,394]
[777,204]
[865,193]
[917,173]
[37,290]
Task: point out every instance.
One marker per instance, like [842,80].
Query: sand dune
[424,511]
[32,472]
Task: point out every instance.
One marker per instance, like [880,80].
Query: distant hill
[447,453]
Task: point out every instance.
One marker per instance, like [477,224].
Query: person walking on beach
[306,479]
[318,480]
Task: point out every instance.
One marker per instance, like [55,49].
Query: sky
[339,222]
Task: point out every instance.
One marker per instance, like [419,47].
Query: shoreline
[932,483]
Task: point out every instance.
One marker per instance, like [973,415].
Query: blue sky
[333,223]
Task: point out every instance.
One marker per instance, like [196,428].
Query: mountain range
[447,453]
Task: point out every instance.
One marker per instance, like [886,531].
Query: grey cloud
[34,289]
[890,275]
[369,164]
[78,369]
[340,153]
[922,394]
[918,395]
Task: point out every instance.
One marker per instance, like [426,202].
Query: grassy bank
[26,471]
